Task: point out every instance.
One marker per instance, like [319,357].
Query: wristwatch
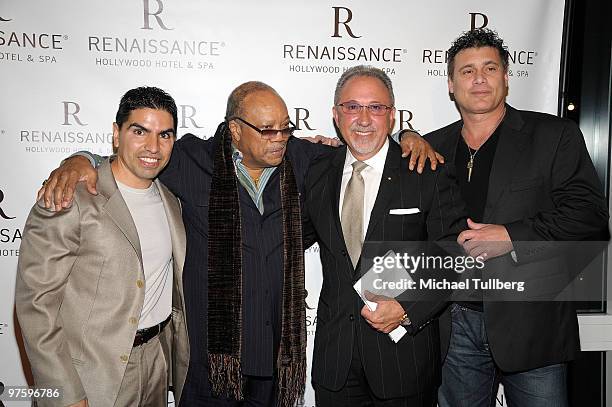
[405,321]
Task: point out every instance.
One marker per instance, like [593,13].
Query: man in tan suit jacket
[99,285]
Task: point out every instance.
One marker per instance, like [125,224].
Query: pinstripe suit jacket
[413,364]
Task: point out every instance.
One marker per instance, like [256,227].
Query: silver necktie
[352,212]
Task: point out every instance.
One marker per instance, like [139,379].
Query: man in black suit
[525,177]
[352,196]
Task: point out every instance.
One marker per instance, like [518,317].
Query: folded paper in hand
[367,284]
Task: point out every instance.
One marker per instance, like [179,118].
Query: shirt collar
[377,162]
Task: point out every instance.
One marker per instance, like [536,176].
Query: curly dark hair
[145,97]
[481,37]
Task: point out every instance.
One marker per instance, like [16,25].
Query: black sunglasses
[268,134]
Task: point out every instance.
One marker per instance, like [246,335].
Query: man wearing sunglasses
[243,275]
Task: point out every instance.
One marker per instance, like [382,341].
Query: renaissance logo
[342,28]
[28,46]
[147,15]
[155,52]
[521,60]
[75,134]
[8,235]
[311,317]
[302,115]
[31,40]
[2,213]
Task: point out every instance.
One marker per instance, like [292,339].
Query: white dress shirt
[372,175]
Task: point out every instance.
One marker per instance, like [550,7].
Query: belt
[146,334]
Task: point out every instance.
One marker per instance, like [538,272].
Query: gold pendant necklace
[256,181]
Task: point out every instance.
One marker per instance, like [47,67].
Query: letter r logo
[337,22]
[148,14]
[473,17]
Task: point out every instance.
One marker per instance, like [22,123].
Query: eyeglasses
[377,109]
[268,134]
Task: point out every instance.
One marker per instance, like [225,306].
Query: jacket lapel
[116,208]
[510,146]
[335,180]
[386,190]
[177,229]
[451,138]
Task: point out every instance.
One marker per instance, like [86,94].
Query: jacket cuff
[94,160]
[520,235]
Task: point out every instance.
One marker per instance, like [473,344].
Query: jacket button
[344,252]
[133,320]
[139,283]
[351,318]
[124,358]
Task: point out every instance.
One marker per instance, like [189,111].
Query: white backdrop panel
[64,66]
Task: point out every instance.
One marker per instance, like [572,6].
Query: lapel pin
[389,178]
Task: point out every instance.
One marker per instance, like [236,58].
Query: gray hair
[236,98]
[363,70]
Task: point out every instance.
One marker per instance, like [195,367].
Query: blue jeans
[470,377]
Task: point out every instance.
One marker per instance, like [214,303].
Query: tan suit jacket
[80,291]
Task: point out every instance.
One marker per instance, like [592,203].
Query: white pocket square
[404,211]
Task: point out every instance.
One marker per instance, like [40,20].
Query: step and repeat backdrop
[64,66]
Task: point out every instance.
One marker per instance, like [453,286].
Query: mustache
[357,127]
[276,147]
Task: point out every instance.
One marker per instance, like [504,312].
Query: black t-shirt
[474,192]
